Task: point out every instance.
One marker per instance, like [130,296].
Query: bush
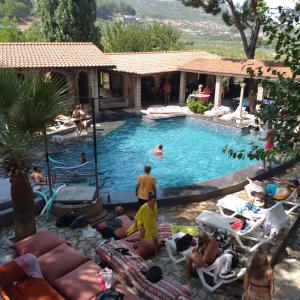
[198,106]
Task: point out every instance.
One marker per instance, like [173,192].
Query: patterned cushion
[130,268]
[164,231]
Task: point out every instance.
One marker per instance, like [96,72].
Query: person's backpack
[184,242]
[65,220]
[154,274]
[110,294]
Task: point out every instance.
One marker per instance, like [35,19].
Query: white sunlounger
[261,230]
[209,271]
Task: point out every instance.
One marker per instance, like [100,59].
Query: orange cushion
[38,289]
[60,261]
[9,273]
[38,243]
[81,283]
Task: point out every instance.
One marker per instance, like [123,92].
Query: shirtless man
[37,176]
[158,151]
[204,254]
[270,137]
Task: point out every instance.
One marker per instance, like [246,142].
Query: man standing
[167,91]
[145,184]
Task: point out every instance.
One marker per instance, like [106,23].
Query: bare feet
[185,274]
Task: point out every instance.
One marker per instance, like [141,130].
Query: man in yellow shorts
[145,184]
[145,221]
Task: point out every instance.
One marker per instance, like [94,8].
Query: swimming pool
[193,152]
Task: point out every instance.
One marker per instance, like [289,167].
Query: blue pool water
[193,152]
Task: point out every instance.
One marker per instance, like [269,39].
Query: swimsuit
[268,146]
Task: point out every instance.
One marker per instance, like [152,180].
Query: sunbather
[258,279]
[202,255]
[278,192]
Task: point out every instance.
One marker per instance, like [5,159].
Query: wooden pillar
[94,89]
[218,91]
[182,88]
[137,93]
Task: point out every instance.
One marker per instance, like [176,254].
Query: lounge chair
[239,206]
[215,112]
[261,230]
[205,273]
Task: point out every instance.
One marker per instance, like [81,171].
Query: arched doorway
[83,88]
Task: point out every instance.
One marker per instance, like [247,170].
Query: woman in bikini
[77,119]
[258,279]
[270,137]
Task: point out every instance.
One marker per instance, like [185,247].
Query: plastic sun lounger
[238,206]
[255,233]
[209,272]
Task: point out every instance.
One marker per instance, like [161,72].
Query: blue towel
[270,189]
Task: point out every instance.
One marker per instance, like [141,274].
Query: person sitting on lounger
[37,176]
[204,254]
[277,192]
[145,221]
[158,151]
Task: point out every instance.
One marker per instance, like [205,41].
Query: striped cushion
[130,268]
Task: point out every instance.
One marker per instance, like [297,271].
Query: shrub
[198,106]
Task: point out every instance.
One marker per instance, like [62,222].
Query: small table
[171,248]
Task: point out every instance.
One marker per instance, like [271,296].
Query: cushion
[38,243]
[60,261]
[81,283]
[37,288]
[11,272]
[119,232]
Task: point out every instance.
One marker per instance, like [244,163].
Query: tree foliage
[68,20]
[9,32]
[15,8]
[118,37]
[283,29]
[107,8]
[27,105]
[245,17]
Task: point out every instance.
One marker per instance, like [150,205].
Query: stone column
[182,88]
[260,96]
[137,93]
[218,91]
[240,116]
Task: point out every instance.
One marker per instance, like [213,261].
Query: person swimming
[83,158]
[158,150]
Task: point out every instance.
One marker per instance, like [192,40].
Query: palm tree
[28,104]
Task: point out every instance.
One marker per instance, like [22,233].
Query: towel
[192,230]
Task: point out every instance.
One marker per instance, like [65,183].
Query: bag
[183,243]
[65,220]
[107,233]
[154,274]
[105,278]
[123,251]
[110,294]
[79,222]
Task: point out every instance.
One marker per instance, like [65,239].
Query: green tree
[107,8]
[33,33]
[9,32]
[68,20]
[26,107]
[118,37]
[245,17]
[15,8]
[283,29]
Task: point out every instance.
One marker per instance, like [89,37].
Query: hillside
[202,31]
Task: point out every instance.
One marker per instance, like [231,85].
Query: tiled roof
[229,67]
[52,55]
[144,63]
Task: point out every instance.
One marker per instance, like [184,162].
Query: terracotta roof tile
[51,55]
[144,63]
[232,67]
